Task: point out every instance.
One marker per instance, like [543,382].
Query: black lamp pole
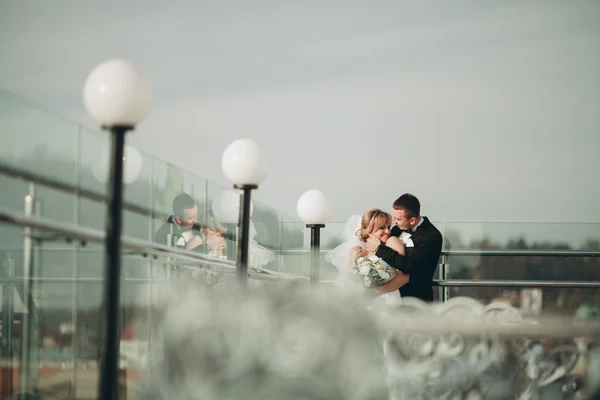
[244,231]
[109,369]
[315,250]
[231,237]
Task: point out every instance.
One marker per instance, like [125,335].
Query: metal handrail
[438,283]
[500,283]
[487,253]
[88,194]
[465,252]
[71,232]
[515,284]
[523,253]
[71,189]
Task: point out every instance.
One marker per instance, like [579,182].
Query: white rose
[384,275]
[374,258]
[364,270]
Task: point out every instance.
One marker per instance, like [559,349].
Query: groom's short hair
[409,203]
[181,203]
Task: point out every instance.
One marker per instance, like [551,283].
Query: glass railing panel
[292,233]
[167,183]
[523,237]
[296,248]
[94,158]
[36,141]
[13,193]
[56,304]
[264,247]
[135,324]
[196,187]
[520,235]
[157,292]
[12,308]
[133,319]
[48,364]
[92,214]
[89,314]
[54,204]
[137,226]
[291,256]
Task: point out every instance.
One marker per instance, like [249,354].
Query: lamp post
[314,209]
[226,209]
[244,164]
[118,96]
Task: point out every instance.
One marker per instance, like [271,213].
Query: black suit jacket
[162,234]
[419,262]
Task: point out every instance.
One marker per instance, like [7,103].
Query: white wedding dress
[381,304]
[340,258]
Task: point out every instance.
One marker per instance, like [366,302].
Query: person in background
[215,237]
[182,225]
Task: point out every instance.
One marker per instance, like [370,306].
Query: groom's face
[402,220]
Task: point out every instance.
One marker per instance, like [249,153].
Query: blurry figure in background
[215,237]
[259,256]
[217,242]
[183,226]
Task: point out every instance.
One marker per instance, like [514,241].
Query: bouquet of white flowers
[373,271]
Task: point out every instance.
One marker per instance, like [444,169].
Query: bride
[356,231]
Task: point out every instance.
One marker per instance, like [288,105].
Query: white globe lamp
[226,207]
[314,209]
[117,96]
[116,93]
[245,165]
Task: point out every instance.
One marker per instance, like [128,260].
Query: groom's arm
[414,257]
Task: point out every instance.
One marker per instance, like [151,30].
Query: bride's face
[382,232]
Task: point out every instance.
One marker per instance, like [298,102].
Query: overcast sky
[486,110]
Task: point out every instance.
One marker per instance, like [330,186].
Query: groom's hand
[372,243]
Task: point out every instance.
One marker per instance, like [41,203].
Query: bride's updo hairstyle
[371,221]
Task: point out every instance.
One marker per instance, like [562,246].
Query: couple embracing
[394,255]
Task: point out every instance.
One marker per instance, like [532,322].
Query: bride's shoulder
[393,239]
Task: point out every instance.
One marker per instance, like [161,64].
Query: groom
[423,247]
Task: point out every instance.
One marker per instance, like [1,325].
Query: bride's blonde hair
[371,221]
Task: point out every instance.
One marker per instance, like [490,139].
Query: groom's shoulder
[432,230]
